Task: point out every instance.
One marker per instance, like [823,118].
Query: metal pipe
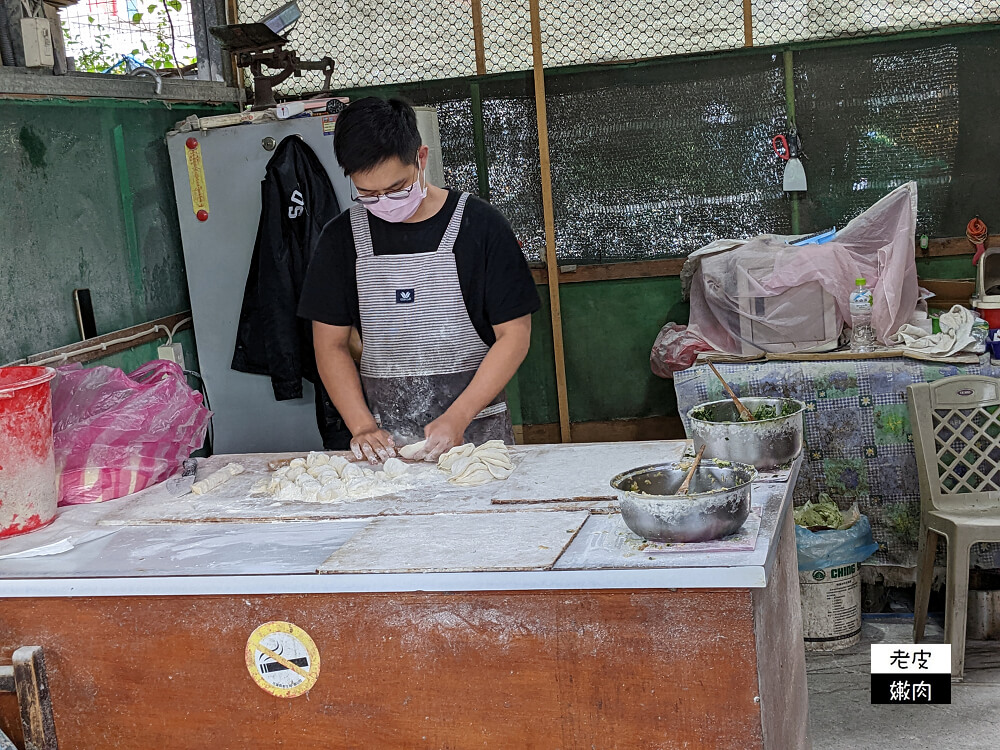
[6,45]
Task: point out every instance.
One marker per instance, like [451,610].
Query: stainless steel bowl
[764,443]
[717,504]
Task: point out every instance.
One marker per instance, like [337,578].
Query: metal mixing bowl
[717,505]
[765,443]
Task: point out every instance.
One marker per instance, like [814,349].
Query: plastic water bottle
[863,335]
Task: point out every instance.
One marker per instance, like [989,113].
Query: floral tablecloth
[858,439]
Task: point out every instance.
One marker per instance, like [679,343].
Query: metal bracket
[27,677]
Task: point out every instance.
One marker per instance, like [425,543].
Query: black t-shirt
[496,282]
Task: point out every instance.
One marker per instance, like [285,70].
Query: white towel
[955,336]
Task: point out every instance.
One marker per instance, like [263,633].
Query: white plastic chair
[956,432]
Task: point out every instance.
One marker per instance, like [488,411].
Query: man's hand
[374,444]
[443,434]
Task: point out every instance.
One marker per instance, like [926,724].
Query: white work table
[440,618]
[151,544]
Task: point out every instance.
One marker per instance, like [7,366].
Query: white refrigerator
[217,252]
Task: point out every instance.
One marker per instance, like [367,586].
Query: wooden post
[33,699]
[748,23]
[477,33]
[232,16]
[551,262]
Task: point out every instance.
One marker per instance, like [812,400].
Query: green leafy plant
[157,46]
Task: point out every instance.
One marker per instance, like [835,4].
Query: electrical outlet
[171,353]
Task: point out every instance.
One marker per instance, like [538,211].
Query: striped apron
[421,350]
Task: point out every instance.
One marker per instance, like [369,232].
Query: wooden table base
[546,669]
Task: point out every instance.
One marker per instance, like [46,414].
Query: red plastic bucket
[28,492]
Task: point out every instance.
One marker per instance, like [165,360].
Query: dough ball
[409,451]
[274,485]
[310,490]
[297,463]
[337,463]
[335,484]
[294,472]
[369,473]
[393,469]
[315,459]
[304,479]
[280,473]
[325,473]
[315,471]
[359,487]
[329,494]
[351,471]
[290,492]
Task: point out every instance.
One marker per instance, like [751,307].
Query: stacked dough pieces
[468,465]
[322,478]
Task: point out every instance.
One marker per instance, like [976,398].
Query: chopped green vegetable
[764,411]
[824,513]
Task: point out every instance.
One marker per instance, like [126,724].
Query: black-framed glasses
[395,195]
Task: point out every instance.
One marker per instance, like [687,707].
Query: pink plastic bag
[116,434]
[741,288]
[676,348]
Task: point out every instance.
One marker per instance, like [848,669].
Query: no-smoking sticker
[282,659]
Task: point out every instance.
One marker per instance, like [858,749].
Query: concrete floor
[841,716]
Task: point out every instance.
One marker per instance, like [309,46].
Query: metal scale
[261,45]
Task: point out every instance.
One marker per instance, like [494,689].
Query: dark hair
[371,130]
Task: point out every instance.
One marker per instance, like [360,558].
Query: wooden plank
[609,669]
[458,543]
[33,698]
[747,23]
[946,246]
[548,213]
[644,269]
[111,343]
[477,34]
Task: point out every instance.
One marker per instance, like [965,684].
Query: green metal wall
[87,202]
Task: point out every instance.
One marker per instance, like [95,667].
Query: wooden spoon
[686,484]
[745,414]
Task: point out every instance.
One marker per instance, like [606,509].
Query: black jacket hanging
[297,200]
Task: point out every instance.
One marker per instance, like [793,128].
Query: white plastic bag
[732,285]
